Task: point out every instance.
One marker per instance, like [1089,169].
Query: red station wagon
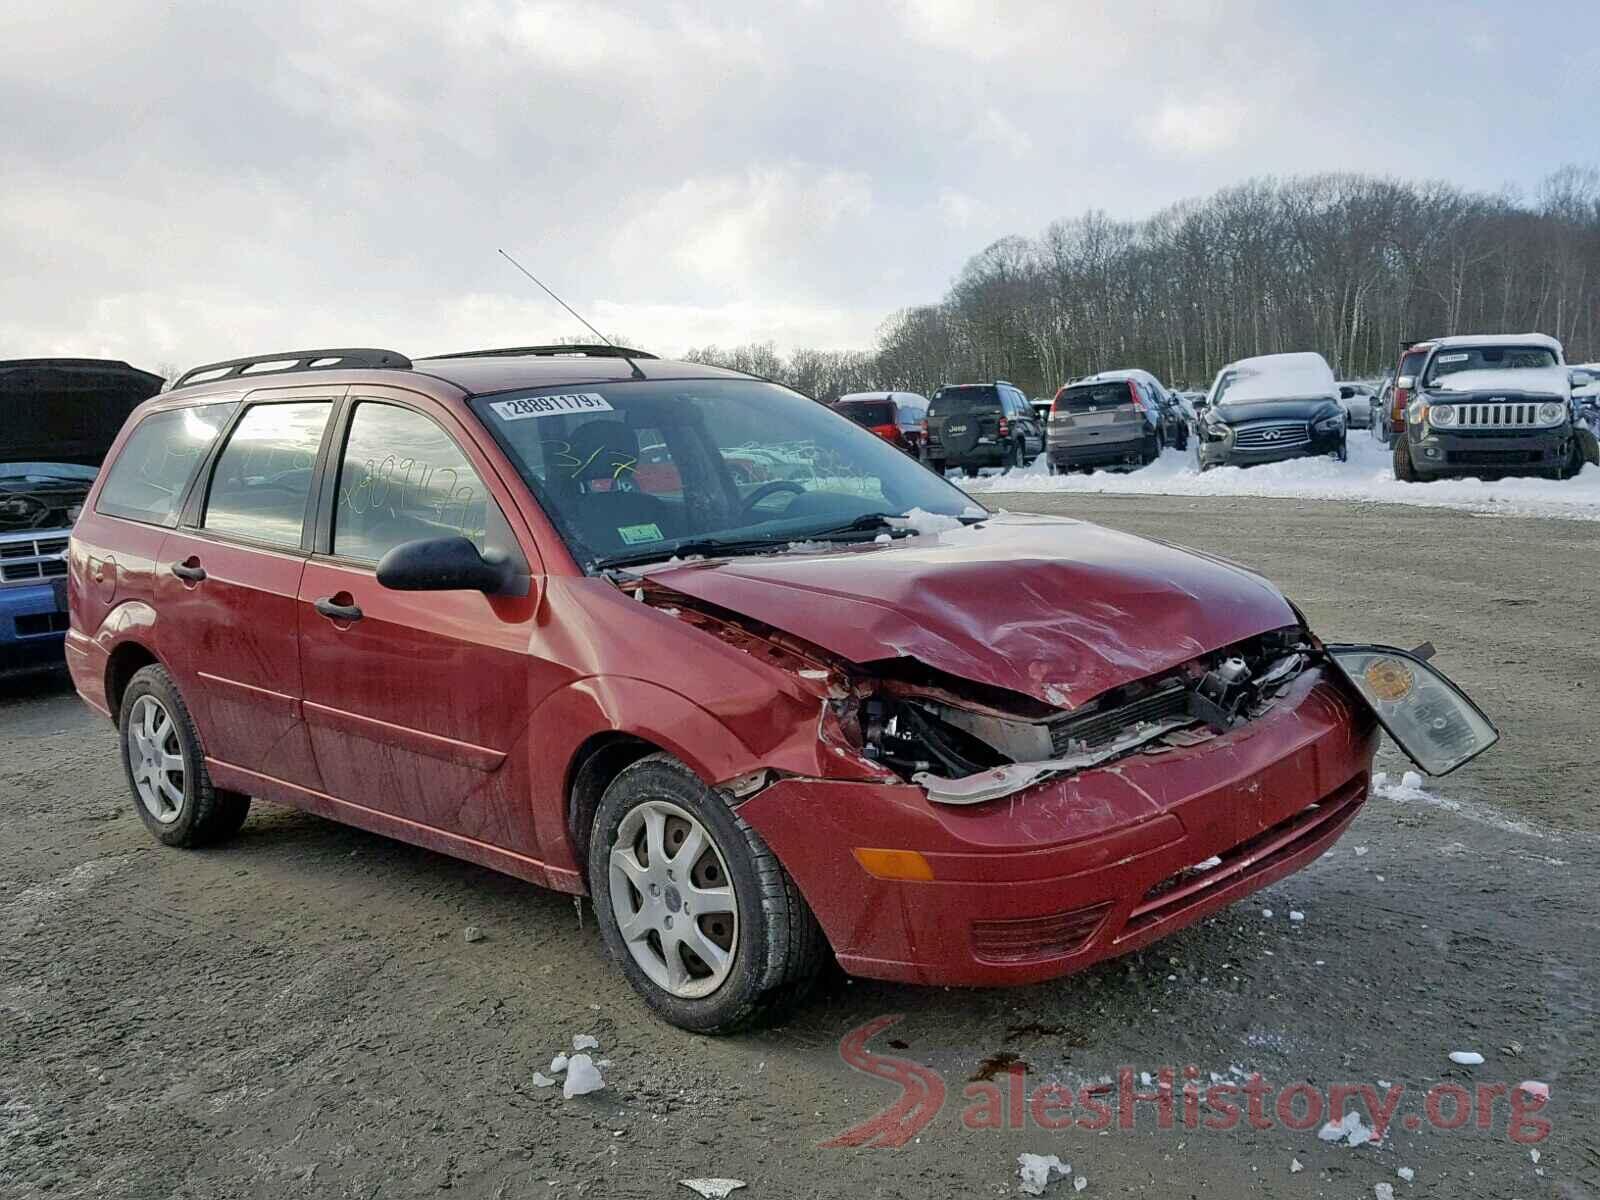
[691,644]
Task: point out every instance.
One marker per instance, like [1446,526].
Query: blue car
[58,417]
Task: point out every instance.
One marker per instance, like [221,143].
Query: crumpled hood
[1554,382]
[1056,609]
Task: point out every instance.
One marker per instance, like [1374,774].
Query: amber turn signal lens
[1390,679]
[894,864]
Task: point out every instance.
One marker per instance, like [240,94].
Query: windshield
[48,472]
[635,470]
[1489,358]
[963,399]
[1098,395]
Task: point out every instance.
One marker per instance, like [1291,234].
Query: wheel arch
[126,660]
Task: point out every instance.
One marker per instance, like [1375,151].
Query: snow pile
[1368,476]
[1410,790]
[921,521]
[1302,375]
[1466,1058]
[1035,1171]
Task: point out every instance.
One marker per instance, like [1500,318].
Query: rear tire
[936,465]
[1404,469]
[775,947]
[165,765]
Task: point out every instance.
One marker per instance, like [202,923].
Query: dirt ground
[298,1014]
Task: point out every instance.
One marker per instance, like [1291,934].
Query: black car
[972,425]
[1270,408]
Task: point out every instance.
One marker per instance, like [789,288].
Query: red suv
[694,645]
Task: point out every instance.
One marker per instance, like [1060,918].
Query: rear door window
[153,469]
[263,476]
[403,480]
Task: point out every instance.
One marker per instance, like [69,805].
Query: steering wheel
[770,489]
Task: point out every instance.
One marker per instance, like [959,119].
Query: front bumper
[33,623]
[1226,454]
[1047,881]
[1437,453]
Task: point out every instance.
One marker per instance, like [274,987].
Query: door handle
[190,571]
[337,612]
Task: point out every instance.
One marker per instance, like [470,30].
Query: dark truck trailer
[58,417]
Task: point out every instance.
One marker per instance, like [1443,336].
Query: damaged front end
[965,742]
[966,754]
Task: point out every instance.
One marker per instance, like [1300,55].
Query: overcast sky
[188,181]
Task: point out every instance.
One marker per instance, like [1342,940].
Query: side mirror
[444,564]
[1404,382]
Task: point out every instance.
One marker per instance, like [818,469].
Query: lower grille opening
[1249,858]
[1028,939]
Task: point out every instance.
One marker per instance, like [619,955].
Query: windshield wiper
[708,547]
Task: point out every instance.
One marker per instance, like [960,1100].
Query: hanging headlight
[1427,715]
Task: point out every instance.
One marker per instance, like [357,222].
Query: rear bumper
[33,623]
[1100,447]
[1048,881]
[1437,453]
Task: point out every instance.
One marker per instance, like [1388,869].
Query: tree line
[1347,265]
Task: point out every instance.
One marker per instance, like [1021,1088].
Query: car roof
[1498,339]
[897,397]
[473,374]
[1113,376]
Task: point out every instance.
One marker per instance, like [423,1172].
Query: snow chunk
[1037,1170]
[1295,1166]
[1296,915]
[1406,1173]
[1361,851]
[1533,1154]
[541,1080]
[1383,1191]
[1467,1058]
[1079,1182]
[1214,861]
[921,521]
[1534,1088]
[1266,912]
[558,1064]
[713,1189]
[583,1077]
[883,539]
[584,1041]
[1351,1130]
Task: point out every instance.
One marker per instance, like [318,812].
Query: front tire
[1404,469]
[936,465]
[703,919]
[1341,453]
[165,765]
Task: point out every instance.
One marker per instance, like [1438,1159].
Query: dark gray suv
[972,425]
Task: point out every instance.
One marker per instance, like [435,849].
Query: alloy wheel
[672,899]
[155,759]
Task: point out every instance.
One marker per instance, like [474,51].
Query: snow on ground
[1368,476]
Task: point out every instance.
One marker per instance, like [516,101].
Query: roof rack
[293,360]
[579,350]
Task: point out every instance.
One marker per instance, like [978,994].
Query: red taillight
[1055,405]
[1005,427]
[1397,411]
[1133,394]
[922,427]
[889,433]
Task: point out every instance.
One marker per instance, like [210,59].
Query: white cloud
[1193,129]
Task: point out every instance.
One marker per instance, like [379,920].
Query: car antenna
[637,374]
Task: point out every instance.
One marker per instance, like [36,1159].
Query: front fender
[568,718]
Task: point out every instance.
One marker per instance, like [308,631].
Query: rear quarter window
[153,469]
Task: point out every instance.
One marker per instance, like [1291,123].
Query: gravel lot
[298,1014]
